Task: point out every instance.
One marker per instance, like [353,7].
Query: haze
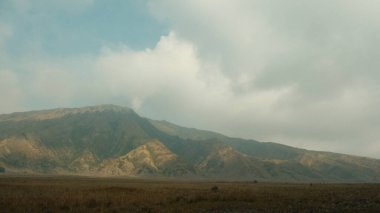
[302,73]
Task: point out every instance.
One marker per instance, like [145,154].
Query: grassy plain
[83,194]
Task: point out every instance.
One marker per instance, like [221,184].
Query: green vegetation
[109,140]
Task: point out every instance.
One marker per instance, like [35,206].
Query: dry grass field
[80,194]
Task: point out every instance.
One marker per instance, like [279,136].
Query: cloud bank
[299,73]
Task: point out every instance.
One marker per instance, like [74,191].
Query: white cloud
[5,34]
[316,62]
[53,83]
[171,82]
[170,71]
[299,73]
[10,93]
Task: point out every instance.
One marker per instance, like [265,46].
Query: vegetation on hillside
[110,140]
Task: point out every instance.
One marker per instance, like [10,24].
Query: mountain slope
[288,162]
[110,140]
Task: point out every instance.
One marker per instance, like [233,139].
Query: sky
[301,73]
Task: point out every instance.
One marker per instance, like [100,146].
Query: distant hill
[110,140]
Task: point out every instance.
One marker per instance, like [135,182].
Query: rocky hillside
[110,140]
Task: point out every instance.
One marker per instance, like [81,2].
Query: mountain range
[109,140]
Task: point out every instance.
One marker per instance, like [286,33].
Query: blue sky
[79,29]
[302,73]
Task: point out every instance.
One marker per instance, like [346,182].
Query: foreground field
[73,194]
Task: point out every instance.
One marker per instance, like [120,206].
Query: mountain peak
[60,112]
[103,107]
[114,140]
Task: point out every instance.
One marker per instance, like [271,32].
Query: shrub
[214,189]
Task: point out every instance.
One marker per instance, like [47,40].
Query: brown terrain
[85,194]
[109,141]
[110,159]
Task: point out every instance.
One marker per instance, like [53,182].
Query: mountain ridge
[59,112]
[109,140]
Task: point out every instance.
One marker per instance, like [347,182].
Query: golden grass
[78,194]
